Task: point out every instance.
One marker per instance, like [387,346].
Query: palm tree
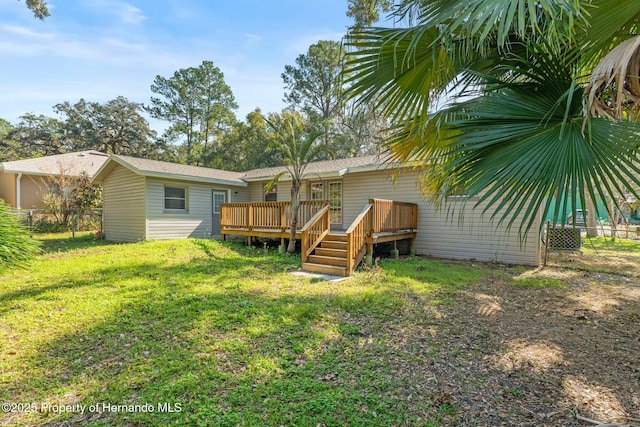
[504,100]
[296,141]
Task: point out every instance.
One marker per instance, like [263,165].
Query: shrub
[15,243]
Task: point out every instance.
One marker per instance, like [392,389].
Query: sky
[101,49]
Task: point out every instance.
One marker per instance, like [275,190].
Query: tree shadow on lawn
[235,342]
[96,276]
[604,255]
[514,354]
[65,243]
[228,351]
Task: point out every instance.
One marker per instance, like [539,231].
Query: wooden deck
[323,250]
[265,219]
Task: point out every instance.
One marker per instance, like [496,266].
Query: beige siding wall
[197,222]
[240,194]
[256,190]
[284,191]
[441,234]
[32,189]
[8,188]
[124,206]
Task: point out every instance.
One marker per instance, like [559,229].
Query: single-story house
[23,183]
[149,199]
[145,199]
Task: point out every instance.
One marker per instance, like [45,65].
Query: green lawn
[218,333]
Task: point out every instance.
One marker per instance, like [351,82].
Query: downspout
[18,191]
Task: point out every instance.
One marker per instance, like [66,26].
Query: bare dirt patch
[550,351]
[526,347]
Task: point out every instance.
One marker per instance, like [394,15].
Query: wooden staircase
[330,257]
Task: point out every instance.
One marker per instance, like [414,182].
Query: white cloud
[22,31]
[252,40]
[126,13]
[112,54]
[254,37]
[23,42]
[130,14]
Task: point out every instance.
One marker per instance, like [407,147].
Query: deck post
[368,259]
[395,253]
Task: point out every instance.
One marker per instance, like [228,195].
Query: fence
[43,221]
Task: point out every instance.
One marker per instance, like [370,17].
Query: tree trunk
[614,217]
[590,217]
[295,205]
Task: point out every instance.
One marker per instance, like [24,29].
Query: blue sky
[101,49]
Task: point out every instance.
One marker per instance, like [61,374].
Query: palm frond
[485,23]
[614,90]
[402,70]
[610,23]
[526,141]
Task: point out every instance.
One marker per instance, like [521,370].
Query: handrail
[314,231]
[357,233]
[355,222]
[392,216]
[266,215]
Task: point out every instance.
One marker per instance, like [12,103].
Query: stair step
[338,253]
[336,237]
[327,260]
[325,269]
[333,245]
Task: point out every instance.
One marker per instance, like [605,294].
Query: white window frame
[336,208]
[185,198]
[226,200]
[314,192]
[272,193]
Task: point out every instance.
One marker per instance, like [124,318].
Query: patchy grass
[538,282]
[215,330]
[214,333]
[604,255]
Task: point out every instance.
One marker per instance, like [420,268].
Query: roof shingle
[156,167]
[71,164]
[322,167]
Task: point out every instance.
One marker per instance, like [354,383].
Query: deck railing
[314,219]
[392,216]
[357,235]
[266,215]
[314,231]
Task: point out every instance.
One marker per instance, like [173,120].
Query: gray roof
[323,168]
[167,170]
[71,164]
[159,169]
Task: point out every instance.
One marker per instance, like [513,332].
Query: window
[316,191]
[335,201]
[272,194]
[219,197]
[175,198]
